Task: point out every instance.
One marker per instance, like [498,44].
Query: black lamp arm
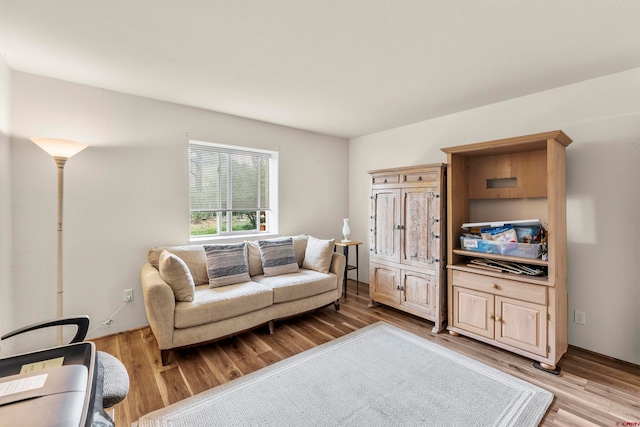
[82,322]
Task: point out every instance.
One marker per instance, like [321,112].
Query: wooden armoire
[408,229]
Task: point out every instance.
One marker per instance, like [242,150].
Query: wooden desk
[345,250]
[62,395]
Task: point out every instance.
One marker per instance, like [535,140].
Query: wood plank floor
[593,390]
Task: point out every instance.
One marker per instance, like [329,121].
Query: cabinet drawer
[425,176]
[386,179]
[502,287]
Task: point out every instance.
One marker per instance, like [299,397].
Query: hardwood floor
[593,390]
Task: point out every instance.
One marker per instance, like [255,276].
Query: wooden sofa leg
[336,304]
[164,357]
[271,327]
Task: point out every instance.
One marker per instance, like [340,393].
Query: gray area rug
[377,376]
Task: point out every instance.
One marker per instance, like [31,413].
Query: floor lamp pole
[60,161]
[61,150]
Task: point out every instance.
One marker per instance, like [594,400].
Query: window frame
[226,215]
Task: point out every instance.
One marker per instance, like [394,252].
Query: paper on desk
[43,364]
[22,384]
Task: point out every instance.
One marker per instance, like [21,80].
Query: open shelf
[533,261]
[538,280]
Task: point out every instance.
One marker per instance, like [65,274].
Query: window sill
[197,240]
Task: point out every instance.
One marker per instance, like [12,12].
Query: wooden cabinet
[407,241]
[509,312]
[510,179]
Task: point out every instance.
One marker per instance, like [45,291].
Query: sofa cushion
[175,272]
[192,255]
[227,264]
[253,259]
[299,247]
[295,286]
[278,256]
[215,304]
[318,254]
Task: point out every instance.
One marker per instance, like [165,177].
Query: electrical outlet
[128,295]
[580,317]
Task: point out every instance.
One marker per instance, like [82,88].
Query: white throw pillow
[174,271]
[226,264]
[318,254]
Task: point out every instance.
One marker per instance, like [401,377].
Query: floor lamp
[61,150]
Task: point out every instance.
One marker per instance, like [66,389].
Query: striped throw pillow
[278,256]
[226,264]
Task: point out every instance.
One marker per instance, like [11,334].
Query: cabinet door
[384,284]
[473,311]
[522,324]
[418,291]
[420,241]
[385,235]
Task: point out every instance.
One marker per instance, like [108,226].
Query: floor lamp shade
[60,150]
[60,147]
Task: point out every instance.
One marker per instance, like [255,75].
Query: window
[232,190]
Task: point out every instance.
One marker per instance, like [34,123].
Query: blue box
[521,250]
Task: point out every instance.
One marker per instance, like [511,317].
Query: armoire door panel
[386,220]
[417,216]
[418,291]
[385,284]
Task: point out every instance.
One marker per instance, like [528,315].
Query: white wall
[6,284]
[128,191]
[602,116]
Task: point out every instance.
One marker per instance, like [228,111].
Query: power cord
[109,320]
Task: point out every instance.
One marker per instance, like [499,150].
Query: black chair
[113,378]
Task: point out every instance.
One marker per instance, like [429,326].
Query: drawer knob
[498,319]
[492,317]
[494,286]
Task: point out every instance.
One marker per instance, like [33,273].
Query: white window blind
[228,181]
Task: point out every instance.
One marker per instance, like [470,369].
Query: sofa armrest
[160,304]
[338,264]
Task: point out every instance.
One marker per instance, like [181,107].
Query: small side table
[345,251]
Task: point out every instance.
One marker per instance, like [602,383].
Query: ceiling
[345,68]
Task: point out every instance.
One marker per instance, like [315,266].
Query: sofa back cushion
[192,255]
[253,259]
[299,247]
[196,260]
[227,264]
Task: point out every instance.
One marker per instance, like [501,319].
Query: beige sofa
[219,312]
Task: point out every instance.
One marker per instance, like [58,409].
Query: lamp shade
[60,147]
